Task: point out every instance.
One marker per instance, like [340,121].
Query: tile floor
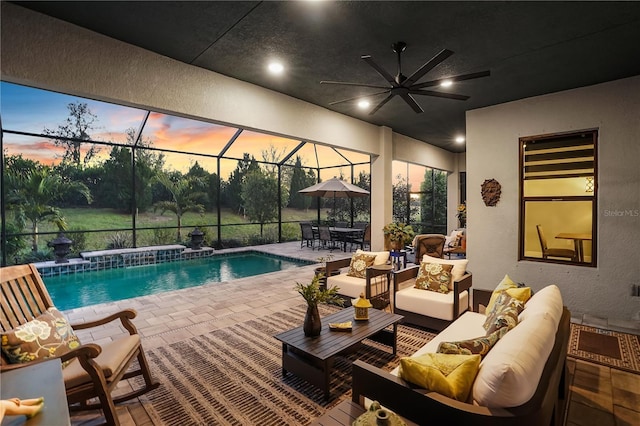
[600,395]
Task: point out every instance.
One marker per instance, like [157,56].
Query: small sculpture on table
[361,306]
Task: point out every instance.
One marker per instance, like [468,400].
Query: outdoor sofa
[520,381]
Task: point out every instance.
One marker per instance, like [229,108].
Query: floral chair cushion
[478,345]
[48,335]
[434,277]
[359,264]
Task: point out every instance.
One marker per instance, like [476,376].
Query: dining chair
[554,252]
[308,235]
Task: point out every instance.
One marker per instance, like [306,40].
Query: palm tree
[33,195]
[184,198]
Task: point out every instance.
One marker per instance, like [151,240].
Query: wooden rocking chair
[93,370]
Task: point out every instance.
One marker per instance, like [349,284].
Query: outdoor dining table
[344,234]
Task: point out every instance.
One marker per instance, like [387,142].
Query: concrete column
[381,188]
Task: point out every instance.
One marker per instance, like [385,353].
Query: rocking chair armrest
[125,316]
[89,350]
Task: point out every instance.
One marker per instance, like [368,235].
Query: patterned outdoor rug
[610,348]
[233,376]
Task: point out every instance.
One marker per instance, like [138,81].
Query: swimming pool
[90,288]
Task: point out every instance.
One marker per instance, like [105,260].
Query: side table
[398,259]
[29,382]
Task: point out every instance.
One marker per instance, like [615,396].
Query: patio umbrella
[335,188]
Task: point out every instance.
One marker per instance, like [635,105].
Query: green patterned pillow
[434,277]
[476,346]
[504,313]
[48,335]
[359,264]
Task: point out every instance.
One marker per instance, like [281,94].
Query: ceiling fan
[403,86]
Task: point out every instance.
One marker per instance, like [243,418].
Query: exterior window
[558,197]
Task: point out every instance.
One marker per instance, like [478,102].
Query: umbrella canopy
[334,188]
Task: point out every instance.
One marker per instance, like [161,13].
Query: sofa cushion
[510,372]
[48,335]
[434,277]
[546,302]
[359,264]
[504,313]
[430,303]
[511,288]
[449,375]
[459,265]
[381,256]
[348,286]
[476,346]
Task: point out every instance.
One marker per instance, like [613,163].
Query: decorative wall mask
[491,191]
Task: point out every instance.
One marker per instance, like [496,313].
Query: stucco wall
[492,152]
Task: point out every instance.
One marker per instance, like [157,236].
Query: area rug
[605,347]
[233,376]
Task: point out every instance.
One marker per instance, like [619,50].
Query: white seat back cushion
[510,372]
[459,265]
[381,256]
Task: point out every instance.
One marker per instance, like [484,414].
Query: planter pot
[312,324]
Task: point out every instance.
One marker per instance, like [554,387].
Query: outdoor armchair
[89,370]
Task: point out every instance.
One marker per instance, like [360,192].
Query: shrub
[119,240]
[163,236]
[36,256]
[79,238]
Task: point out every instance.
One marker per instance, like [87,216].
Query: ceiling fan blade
[412,102]
[359,97]
[454,78]
[368,59]
[346,83]
[382,102]
[439,94]
[428,66]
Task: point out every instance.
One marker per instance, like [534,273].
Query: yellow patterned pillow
[449,375]
[48,335]
[511,288]
[359,264]
[434,277]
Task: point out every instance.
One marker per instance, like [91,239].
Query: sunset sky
[32,110]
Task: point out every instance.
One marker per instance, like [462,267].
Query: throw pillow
[449,375]
[512,289]
[476,346]
[459,265]
[381,256]
[504,313]
[48,335]
[359,264]
[434,277]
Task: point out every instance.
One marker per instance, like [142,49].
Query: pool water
[90,288]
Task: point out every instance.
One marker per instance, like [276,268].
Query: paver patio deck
[601,395]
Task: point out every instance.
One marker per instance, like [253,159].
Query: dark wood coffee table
[311,358]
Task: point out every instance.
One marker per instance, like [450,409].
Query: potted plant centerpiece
[314,294]
[398,235]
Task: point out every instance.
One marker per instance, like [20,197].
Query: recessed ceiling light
[460,139]
[363,104]
[276,68]
[446,83]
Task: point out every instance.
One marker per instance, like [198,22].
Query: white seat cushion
[348,286]
[430,303]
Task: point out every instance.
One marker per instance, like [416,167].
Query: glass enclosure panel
[354,157]
[557,218]
[329,157]
[307,155]
[416,176]
[262,146]
[182,134]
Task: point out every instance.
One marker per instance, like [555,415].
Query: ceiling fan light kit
[405,87]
